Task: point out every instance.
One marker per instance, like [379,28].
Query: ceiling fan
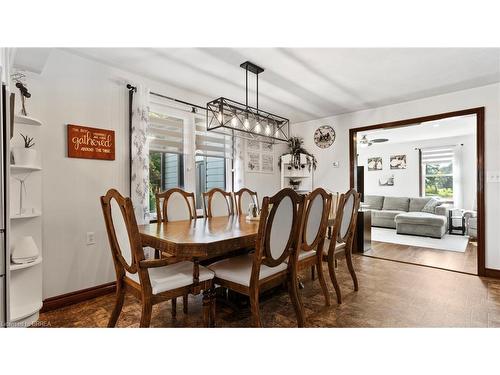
[365,142]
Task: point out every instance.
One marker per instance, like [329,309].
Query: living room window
[437,176]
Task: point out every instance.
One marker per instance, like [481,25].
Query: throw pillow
[430,207]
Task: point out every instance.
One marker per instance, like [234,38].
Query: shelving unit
[15,266]
[24,168]
[25,280]
[290,173]
[20,119]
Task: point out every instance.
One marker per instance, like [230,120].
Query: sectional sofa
[415,216]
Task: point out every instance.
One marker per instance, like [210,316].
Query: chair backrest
[123,233]
[279,230]
[345,221]
[334,205]
[243,198]
[217,202]
[175,205]
[317,210]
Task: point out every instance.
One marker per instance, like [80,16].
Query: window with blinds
[166,160]
[212,143]
[437,172]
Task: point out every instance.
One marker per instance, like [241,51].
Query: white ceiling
[306,83]
[444,128]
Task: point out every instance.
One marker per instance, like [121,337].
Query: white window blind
[212,143]
[437,154]
[166,133]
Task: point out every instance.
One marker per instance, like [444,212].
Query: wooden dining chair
[217,202]
[150,280]
[315,221]
[174,205]
[343,237]
[243,198]
[333,212]
[277,240]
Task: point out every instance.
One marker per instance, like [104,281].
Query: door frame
[479,112]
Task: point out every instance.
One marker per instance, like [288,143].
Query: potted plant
[295,149]
[25,155]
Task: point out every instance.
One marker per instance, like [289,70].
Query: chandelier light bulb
[257,128]
[234,121]
[246,124]
[268,130]
[219,117]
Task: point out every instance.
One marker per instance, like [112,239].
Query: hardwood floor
[450,260]
[391,294]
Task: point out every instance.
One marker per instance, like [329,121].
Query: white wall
[406,181]
[338,178]
[74,90]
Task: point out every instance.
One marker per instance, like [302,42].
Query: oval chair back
[279,228]
[217,202]
[175,205]
[123,234]
[243,198]
[317,210]
[346,216]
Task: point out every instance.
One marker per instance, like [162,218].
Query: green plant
[28,141]
[295,148]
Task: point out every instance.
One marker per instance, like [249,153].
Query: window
[166,160]
[213,151]
[437,176]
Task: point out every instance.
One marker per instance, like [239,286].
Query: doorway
[424,193]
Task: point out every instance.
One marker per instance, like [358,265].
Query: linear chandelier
[245,121]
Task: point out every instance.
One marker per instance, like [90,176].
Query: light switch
[335,164]
[90,238]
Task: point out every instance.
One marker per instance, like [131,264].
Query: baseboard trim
[489,272]
[57,302]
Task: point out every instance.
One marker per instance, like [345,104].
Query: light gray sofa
[405,215]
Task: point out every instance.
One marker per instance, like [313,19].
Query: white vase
[24,156]
[24,250]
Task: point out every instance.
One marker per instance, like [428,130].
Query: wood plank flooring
[450,260]
[391,294]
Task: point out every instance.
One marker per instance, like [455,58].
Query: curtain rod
[133,88]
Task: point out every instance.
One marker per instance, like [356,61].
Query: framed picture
[375,164]
[253,145]
[387,180]
[267,163]
[398,162]
[253,162]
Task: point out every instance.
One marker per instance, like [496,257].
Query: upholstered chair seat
[239,269]
[173,276]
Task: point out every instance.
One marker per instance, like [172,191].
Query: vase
[24,156]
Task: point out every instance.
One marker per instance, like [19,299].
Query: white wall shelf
[26,215]
[24,168]
[15,266]
[20,119]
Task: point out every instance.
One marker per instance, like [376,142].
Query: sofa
[406,216]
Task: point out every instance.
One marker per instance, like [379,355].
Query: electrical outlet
[90,238]
[335,164]
[493,177]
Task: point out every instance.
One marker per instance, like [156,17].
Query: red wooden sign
[91,143]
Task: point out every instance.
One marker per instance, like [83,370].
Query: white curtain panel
[239,163]
[140,155]
[458,201]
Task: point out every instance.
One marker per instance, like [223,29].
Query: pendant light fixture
[245,121]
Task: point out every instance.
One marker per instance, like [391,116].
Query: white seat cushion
[239,269]
[173,276]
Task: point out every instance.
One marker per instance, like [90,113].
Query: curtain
[139,189]
[239,163]
[458,201]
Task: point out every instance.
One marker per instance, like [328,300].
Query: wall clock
[324,136]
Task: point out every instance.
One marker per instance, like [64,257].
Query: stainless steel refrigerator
[4,165]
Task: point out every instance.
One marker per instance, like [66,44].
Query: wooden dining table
[200,238]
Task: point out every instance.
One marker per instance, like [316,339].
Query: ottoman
[421,224]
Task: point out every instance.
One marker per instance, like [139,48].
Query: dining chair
[277,239]
[174,205]
[150,280]
[343,237]
[243,198]
[315,221]
[333,211]
[217,202]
